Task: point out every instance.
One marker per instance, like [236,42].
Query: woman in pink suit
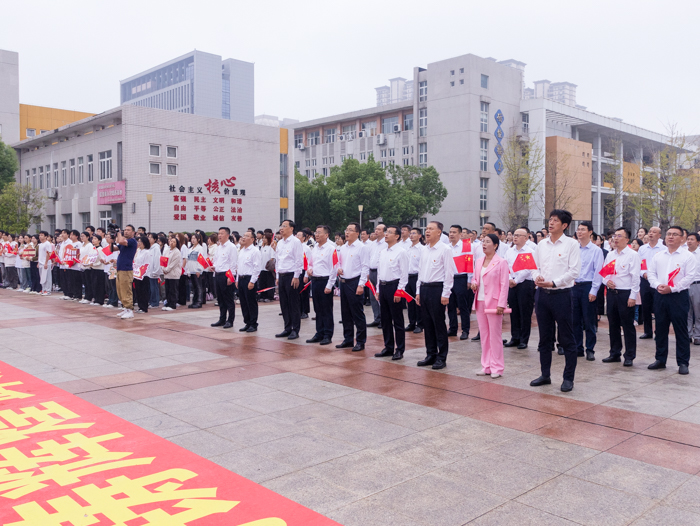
[490,285]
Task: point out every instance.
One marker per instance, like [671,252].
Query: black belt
[461,276]
[345,280]
[286,274]
[617,291]
[389,282]
[245,276]
[318,278]
[582,283]
[695,282]
[411,275]
[554,291]
[432,284]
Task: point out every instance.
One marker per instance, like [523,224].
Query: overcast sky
[634,60]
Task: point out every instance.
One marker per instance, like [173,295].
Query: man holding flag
[646,254]
[322,270]
[621,275]
[521,294]
[585,291]
[392,277]
[249,265]
[225,265]
[671,273]
[415,252]
[462,297]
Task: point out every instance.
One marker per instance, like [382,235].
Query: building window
[330,135]
[526,122]
[483,220]
[324,160]
[388,124]
[308,162]
[349,132]
[483,193]
[461,81]
[423,155]
[41,178]
[423,122]
[52,223]
[331,160]
[64,176]
[484,122]
[155,150]
[68,221]
[85,218]
[48,176]
[72,171]
[31,132]
[461,70]
[408,122]
[172,169]
[154,168]
[405,161]
[81,172]
[105,165]
[283,215]
[370,128]
[423,91]
[171,152]
[382,153]
[392,152]
[342,159]
[313,138]
[307,173]
[383,164]
[363,156]
[313,162]
[452,84]
[284,175]
[298,139]
[350,156]
[325,171]
[452,72]
[484,81]
[484,155]
[55,175]
[91,173]
[297,164]
[422,224]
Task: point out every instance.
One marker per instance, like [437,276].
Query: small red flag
[183,271]
[464,263]
[163,261]
[265,290]
[305,287]
[405,295]
[644,264]
[106,251]
[608,270]
[53,256]
[466,245]
[672,276]
[306,263]
[335,258]
[524,262]
[203,261]
[230,276]
[371,287]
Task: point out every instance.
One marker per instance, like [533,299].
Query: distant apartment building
[274,121]
[198,83]
[563,92]
[398,90]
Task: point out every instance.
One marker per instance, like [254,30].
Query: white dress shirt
[437,265]
[559,262]
[414,254]
[695,254]
[290,256]
[354,261]
[375,247]
[249,263]
[648,252]
[393,264]
[511,255]
[592,261]
[321,262]
[663,263]
[444,238]
[225,258]
[405,243]
[626,276]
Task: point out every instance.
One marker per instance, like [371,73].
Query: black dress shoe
[646,336]
[560,350]
[218,324]
[452,333]
[244,328]
[683,369]
[398,355]
[464,336]
[477,337]
[542,380]
[590,356]
[410,327]
[657,365]
[566,386]
[252,329]
[417,330]
[196,306]
[325,341]
[344,345]
[628,362]
[304,316]
[429,360]
[293,335]
[379,326]
[385,352]
[512,343]
[580,354]
[358,347]
[522,346]
[611,359]
[315,339]
[283,334]
[228,325]
[375,323]
[439,364]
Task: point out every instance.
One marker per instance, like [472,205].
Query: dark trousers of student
[393,327]
[197,285]
[376,311]
[554,306]
[584,317]
[521,299]
[12,277]
[76,281]
[434,327]
[621,316]
[304,297]
[249,301]
[65,286]
[87,281]
[98,286]
[265,281]
[648,298]
[142,292]
[171,292]
[323,307]
[290,302]
[462,298]
[352,310]
[415,315]
[226,298]
[154,299]
[182,295]
[672,309]
[36,278]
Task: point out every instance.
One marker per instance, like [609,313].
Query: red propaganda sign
[111,193]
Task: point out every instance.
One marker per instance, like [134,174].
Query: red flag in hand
[230,276]
[524,262]
[405,295]
[644,264]
[371,287]
[163,261]
[305,287]
[335,258]
[672,276]
[608,270]
[203,261]
[53,256]
[306,263]
[106,251]
[466,245]
[464,263]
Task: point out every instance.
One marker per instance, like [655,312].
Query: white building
[9,96]
[399,89]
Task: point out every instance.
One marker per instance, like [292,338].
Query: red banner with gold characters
[66,462]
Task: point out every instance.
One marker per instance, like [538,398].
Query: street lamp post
[149,198]
[360,208]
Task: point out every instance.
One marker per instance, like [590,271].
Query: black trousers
[584,317]
[249,301]
[171,292]
[622,316]
[197,288]
[393,327]
[290,303]
[323,307]
[76,283]
[226,298]
[434,327]
[649,296]
[65,283]
[88,279]
[266,280]
[142,292]
[304,297]
[415,315]
[521,299]
[98,286]
[551,308]
[672,309]
[462,297]
[182,295]
[352,311]
[36,278]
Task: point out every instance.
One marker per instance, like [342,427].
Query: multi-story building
[198,83]
[563,92]
[272,120]
[159,169]
[398,90]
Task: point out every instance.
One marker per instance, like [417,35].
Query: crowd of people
[567,281]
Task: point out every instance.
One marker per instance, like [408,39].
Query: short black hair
[44,232]
[625,230]
[141,228]
[365,230]
[228,230]
[490,223]
[291,224]
[132,227]
[562,215]
[499,231]
[587,224]
[325,228]
[458,227]
[643,228]
[146,242]
[695,235]
[74,233]
[397,230]
[406,226]
[438,224]
[356,226]
[675,227]
[90,227]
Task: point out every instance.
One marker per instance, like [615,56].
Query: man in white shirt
[305,297]
[585,292]
[392,274]
[248,271]
[225,259]
[521,295]
[694,291]
[323,268]
[435,280]
[646,254]
[290,263]
[623,288]
[671,273]
[376,247]
[44,263]
[415,252]
[353,269]
[405,240]
[558,261]
[462,296]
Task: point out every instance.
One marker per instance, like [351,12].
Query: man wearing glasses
[521,296]
[353,270]
[290,263]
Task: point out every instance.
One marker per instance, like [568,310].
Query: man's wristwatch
[554,285]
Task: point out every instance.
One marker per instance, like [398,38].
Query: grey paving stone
[515,513]
[271,402]
[170,403]
[55,377]
[545,452]
[99,370]
[311,492]
[364,513]
[234,390]
[666,515]
[686,497]
[365,403]
[214,414]
[150,363]
[692,415]
[256,430]
[645,404]
[414,416]
[164,425]
[360,430]
[252,466]
[131,410]
[203,443]
[311,413]
[304,450]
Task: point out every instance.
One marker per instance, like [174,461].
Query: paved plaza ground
[371,442]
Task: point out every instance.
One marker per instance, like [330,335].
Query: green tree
[20,207]
[311,204]
[8,165]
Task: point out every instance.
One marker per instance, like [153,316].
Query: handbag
[270,265]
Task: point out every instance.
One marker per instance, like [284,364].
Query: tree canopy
[8,165]
[20,207]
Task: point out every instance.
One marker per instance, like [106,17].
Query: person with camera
[125,270]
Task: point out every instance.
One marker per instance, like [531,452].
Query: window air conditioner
[397,128]
[341,137]
[381,139]
[363,134]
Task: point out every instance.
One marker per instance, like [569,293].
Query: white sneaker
[84,301]
[119,314]
[108,306]
[482,373]
[168,308]
[128,313]
[495,375]
[28,289]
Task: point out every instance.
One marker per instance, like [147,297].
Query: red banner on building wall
[111,193]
